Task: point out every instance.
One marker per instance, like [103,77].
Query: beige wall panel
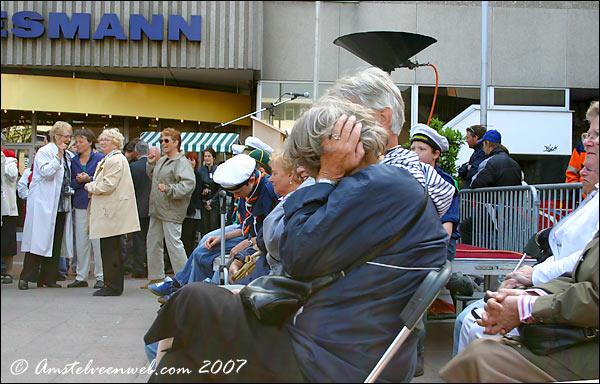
[528,47]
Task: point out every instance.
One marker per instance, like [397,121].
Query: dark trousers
[189,228]
[112,264]
[210,220]
[137,257]
[49,265]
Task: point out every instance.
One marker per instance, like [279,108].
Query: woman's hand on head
[343,151]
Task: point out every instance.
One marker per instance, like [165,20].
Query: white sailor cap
[235,172]
[237,148]
[428,135]
[257,143]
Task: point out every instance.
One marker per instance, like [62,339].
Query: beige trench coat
[112,210]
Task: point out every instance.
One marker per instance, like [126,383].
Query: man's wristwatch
[327,181]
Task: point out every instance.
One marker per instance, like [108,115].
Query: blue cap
[493,136]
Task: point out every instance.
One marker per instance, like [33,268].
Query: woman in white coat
[112,210]
[48,202]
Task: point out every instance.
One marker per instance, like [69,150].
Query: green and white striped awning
[197,141]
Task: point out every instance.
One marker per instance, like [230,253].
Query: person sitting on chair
[342,329]
[566,240]
[563,301]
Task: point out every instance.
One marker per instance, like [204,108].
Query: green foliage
[455,139]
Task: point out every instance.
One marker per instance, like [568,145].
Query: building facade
[142,66]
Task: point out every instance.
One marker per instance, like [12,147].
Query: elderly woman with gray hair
[112,210]
[48,201]
[342,329]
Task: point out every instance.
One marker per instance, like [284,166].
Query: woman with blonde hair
[48,201]
[112,209]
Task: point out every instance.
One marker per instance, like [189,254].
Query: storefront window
[449,103]
[530,97]
[16,126]
[286,114]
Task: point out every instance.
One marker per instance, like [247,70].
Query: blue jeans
[199,265]
[459,323]
[150,350]
[451,249]
[62,266]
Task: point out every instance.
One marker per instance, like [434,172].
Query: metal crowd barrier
[504,218]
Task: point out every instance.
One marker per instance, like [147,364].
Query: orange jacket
[576,164]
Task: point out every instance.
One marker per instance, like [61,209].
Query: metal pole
[316,63]
[484,54]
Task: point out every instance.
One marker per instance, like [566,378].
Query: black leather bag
[274,298]
[547,339]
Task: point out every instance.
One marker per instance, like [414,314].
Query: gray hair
[304,145]
[592,111]
[374,89]
[115,135]
[141,147]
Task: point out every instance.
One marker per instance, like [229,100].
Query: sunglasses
[166,141]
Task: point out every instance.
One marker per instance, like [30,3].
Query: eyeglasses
[166,141]
[591,136]
[65,136]
[104,139]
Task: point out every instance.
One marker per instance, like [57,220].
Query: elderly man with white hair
[374,89]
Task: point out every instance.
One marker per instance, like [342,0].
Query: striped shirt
[440,191]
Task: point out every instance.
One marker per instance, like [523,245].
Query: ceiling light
[110,116]
[182,120]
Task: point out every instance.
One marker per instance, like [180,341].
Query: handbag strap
[378,250]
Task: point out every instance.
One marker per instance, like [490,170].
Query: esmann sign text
[30,25]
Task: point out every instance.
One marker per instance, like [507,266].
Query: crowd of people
[341,187]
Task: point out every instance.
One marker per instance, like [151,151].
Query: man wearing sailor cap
[251,143]
[256,197]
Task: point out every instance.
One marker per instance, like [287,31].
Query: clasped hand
[83,177]
[501,311]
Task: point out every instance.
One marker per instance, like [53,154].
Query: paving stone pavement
[50,328]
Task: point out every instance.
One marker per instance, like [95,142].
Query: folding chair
[412,313]
[223,267]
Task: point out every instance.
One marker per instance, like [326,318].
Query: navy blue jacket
[497,170]
[451,215]
[81,199]
[476,158]
[345,328]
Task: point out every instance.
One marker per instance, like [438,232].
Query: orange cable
[434,93]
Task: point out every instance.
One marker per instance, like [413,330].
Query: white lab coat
[42,202]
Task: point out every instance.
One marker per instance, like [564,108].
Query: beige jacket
[178,176]
[112,210]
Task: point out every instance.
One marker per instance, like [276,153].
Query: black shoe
[23,285]
[106,292]
[46,285]
[78,284]
[99,284]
